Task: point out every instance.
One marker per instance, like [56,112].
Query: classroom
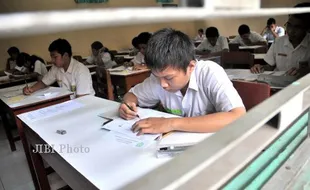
[154,94]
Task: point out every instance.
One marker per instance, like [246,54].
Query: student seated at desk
[68,72]
[11,62]
[288,52]
[101,56]
[198,90]
[247,37]
[272,31]
[21,61]
[36,65]
[138,61]
[200,36]
[214,43]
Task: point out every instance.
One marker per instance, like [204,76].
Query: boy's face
[296,29]
[212,40]
[14,56]
[172,79]
[95,52]
[200,33]
[142,48]
[57,59]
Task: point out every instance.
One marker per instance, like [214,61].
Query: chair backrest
[237,59]
[252,93]
[104,83]
[233,47]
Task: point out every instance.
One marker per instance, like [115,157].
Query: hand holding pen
[27,90]
[128,110]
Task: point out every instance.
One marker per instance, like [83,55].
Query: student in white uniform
[36,65]
[288,52]
[213,44]
[200,36]
[138,60]
[200,91]
[11,62]
[101,56]
[247,37]
[272,31]
[21,62]
[68,72]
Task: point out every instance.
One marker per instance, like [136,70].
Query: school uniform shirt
[209,91]
[138,59]
[254,37]
[77,75]
[269,36]
[220,45]
[40,68]
[200,38]
[284,56]
[12,64]
[106,60]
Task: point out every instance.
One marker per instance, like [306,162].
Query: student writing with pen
[287,53]
[200,91]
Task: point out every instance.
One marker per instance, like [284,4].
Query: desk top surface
[122,71]
[14,98]
[250,47]
[108,164]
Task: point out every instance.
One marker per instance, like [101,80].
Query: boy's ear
[192,65]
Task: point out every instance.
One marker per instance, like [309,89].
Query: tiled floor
[14,171]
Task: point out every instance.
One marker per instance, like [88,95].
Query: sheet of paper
[183,138]
[53,110]
[13,93]
[16,99]
[128,141]
[48,95]
[241,74]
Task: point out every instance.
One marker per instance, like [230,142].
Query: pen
[130,108]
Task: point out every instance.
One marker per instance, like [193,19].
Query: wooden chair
[237,59]
[233,47]
[252,93]
[78,58]
[104,84]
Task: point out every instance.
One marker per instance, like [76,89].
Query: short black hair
[212,32]
[243,29]
[271,21]
[200,30]
[144,37]
[303,16]
[62,46]
[169,47]
[13,50]
[134,42]
[96,45]
[22,58]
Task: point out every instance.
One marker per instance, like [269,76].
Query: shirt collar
[70,68]
[192,81]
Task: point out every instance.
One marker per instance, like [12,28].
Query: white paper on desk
[53,110]
[48,95]
[128,141]
[241,74]
[183,139]
[13,93]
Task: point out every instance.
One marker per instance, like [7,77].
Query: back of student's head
[200,30]
[243,29]
[271,21]
[61,46]
[212,32]
[144,37]
[304,17]
[22,58]
[96,45]
[135,42]
[13,50]
[169,48]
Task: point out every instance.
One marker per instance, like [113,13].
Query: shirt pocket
[283,62]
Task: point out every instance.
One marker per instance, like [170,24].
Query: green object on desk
[261,169]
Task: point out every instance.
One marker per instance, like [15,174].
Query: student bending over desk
[247,37]
[11,62]
[214,43]
[68,72]
[290,52]
[200,91]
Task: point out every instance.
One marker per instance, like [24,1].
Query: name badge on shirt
[282,54]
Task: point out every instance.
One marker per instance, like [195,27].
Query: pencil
[129,107]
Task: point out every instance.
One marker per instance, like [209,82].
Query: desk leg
[8,132]
[39,169]
[27,152]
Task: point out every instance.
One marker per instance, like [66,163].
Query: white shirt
[77,75]
[138,59]
[12,64]
[200,38]
[209,91]
[269,36]
[21,69]
[106,60]
[40,68]
[221,44]
[254,37]
[283,55]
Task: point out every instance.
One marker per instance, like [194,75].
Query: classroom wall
[115,37]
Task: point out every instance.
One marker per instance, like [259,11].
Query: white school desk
[250,47]
[128,78]
[107,165]
[20,104]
